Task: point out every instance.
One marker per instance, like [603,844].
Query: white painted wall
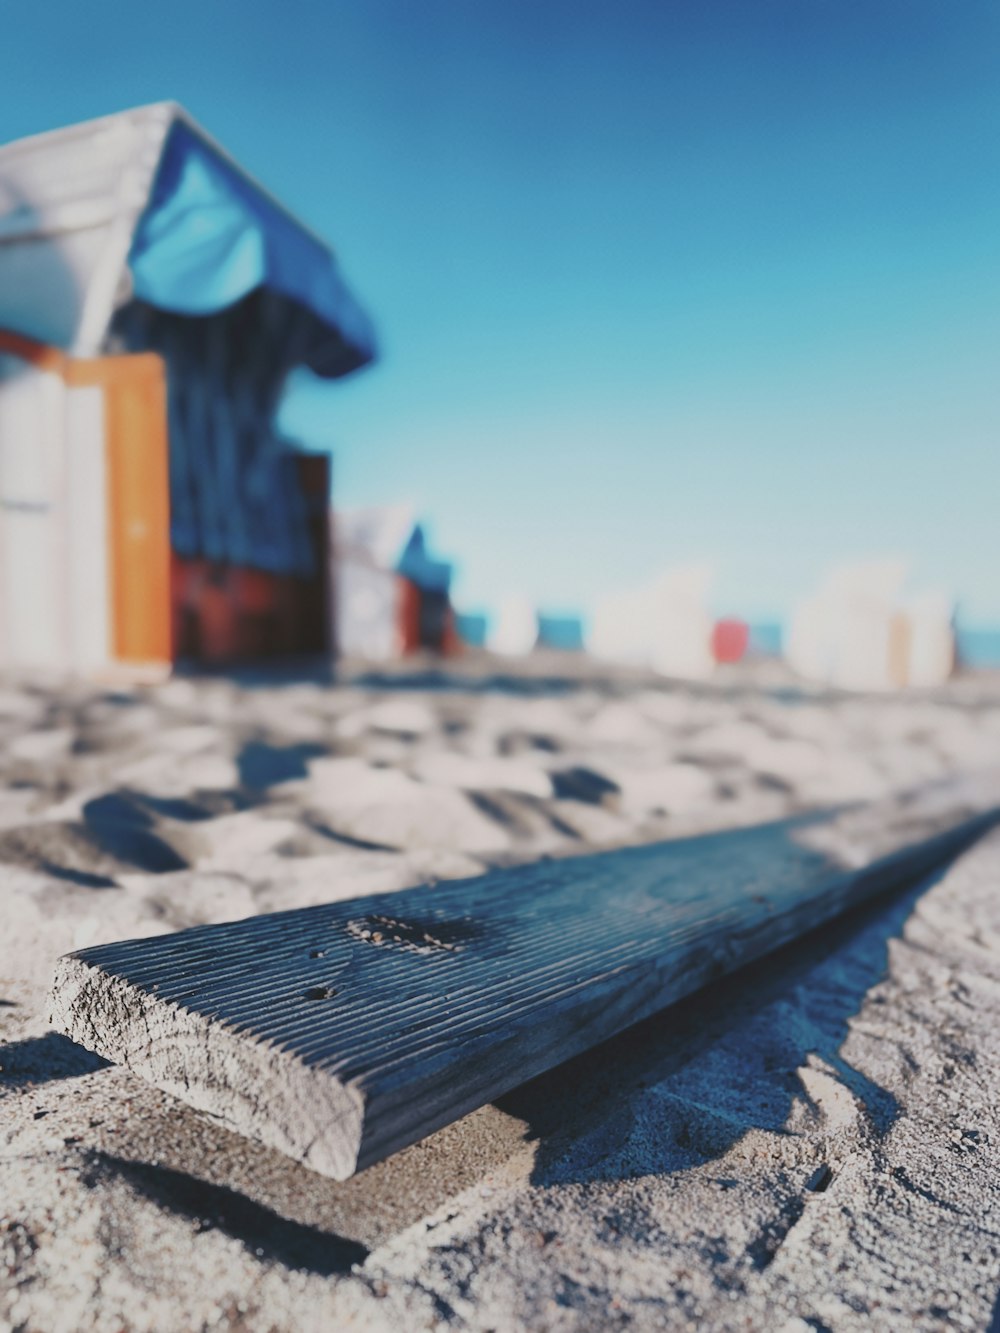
[89,581]
[54,577]
[32,561]
[365,606]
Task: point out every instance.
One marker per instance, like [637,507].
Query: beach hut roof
[145,204]
[389,537]
[377,535]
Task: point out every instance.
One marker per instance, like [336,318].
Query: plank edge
[307,1114]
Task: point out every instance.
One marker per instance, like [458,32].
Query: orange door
[137,489]
[138,505]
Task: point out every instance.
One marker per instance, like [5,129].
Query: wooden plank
[339,1034]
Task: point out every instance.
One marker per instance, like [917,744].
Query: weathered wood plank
[340,1034]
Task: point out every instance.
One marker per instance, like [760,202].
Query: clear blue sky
[654,281]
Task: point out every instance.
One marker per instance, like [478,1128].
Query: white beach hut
[664,624]
[859,631]
[514,633]
[391,596]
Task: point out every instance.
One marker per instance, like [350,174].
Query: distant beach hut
[859,631]
[664,625]
[514,630]
[561,632]
[472,628]
[765,639]
[730,640]
[153,298]
[391,597]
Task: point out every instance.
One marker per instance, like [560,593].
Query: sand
[812,1144]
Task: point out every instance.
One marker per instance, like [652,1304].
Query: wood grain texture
[340,1034]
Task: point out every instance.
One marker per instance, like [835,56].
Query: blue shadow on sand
[678,1089]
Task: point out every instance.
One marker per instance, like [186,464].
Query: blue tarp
[765,639]
[415,564]
[564,632]
[472,628]
[208,237]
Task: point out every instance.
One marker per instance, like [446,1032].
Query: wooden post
[340,1034]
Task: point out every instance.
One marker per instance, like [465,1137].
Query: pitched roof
[146,203]
[389,537]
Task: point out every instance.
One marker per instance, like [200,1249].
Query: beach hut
[391,596]
[859,631]
[664,625]
[561,631]
[153,298]
[514,630]
[730,640]
[472,628]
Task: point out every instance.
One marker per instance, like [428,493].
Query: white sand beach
[812,1144]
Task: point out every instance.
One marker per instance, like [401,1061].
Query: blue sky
[654,281]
